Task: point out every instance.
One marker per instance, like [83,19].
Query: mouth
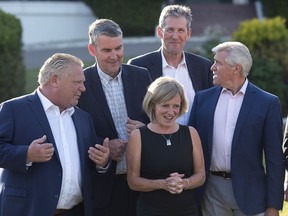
[168,117]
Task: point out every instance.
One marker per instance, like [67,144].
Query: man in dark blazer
[191,70]
[240,127]
[113,97]
[47,146]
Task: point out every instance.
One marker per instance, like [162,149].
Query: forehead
[175,22]
[220,55]
[75,72]
[107,42]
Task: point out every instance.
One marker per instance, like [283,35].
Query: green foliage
[136,18]
[12,71]
[275,8]
[213,36]
[267,41]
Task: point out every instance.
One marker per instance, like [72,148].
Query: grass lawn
[285,210]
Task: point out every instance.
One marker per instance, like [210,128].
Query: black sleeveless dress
[158,160]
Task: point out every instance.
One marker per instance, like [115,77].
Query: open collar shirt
[225,119]
[65,137]
[181,74]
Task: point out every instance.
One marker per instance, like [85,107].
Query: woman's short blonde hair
[161,90]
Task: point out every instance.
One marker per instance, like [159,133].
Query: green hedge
[136,18]
[275,8]
[267,41]
[12,71]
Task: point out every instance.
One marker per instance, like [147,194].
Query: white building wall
[47,23]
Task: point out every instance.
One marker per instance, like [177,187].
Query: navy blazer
[198,68]
[258,130]
[36,191]
[135,83]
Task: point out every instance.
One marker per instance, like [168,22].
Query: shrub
[136,18]
[267,41]
[275,8]
[12,71]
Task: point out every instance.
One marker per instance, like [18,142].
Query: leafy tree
[267,41]
[136,18]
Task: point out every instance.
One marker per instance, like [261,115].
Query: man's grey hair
[175,11]
[238,54]
[58,64]
[105,27]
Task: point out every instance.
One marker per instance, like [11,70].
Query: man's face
[222,72]
[174,35]
[70,87]
[109,54]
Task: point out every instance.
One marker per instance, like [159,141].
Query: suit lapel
[40,115]
[210,113]
[98,93]
[155,67]
[128,87]
[247,103]
[77,124]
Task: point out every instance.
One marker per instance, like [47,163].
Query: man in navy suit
[192,71]
[113,97]
[240,127]
[47,146]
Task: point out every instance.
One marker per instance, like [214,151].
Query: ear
[91,49]
[54,80]
[238,69]
[159,32]
[189,32]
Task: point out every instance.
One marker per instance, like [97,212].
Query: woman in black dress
[164,159]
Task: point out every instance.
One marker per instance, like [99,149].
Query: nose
[170,110]
[82,87]
[174,34]
[213,68]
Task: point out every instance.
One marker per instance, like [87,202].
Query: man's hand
[272,212]
[132,125]
[39,151]
[117,148]
[100,153]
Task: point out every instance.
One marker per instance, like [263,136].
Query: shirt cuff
[101,169]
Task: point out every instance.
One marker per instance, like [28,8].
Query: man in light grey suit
[240,127]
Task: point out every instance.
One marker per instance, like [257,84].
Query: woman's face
[167,112]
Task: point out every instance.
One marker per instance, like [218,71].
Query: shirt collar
[48,105]
[105,78]
[164,62]
[242,89]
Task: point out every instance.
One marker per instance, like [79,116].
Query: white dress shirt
[65,137]
[181,74]
[225,119]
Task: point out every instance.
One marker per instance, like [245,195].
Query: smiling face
[69,87]
[174,35]
[167,112]
[223,73]
[108,53]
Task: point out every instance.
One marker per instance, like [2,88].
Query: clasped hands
[175,184]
